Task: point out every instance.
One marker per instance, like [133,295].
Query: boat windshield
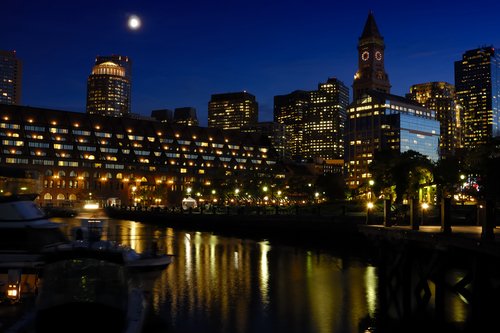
[30,239]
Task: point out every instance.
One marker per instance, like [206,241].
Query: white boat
[150,262]
[25,233]
[88,289]
[89,235]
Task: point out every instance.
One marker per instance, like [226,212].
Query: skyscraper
[124,62]
[377,120]
[10,78]
[440,97]
[324,121]
[232,110]
[108,88]
[289,110]
[477,82]
[371,73]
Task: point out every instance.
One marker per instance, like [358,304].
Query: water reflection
[223,284]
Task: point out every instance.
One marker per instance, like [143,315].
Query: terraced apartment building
[81,156]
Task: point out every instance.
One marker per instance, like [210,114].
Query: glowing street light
[369,207]
[424,206]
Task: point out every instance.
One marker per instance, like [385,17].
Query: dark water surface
[232,285]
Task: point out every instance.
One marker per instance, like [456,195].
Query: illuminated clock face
[378,55]
[365,56]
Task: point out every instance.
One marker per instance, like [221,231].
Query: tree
[447,176]
[405,173]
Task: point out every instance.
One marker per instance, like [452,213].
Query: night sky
[187,50]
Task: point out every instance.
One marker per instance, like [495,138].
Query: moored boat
[25,233]
[87,289]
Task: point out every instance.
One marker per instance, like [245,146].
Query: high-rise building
[185,116]
[371,73]
[440,97]
[232,110]
[377,120]
[108,89]
[477,82]
[289,110]
[324,121]
[124,62]
[10,78]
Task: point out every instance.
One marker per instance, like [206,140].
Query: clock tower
[371,73]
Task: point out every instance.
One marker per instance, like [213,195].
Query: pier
[419,264]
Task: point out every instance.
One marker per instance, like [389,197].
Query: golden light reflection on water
[264,272]
[239,285]
[371,282]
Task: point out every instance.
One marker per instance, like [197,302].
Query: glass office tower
[477,82]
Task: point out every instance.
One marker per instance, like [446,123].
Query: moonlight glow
[134,22]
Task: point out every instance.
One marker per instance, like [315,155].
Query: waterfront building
[378,120]
[10,78]
[477,82]
[324,121]
[83,156]
[185,116]
[109,87]
[289,110]
[232,110]
[440,97]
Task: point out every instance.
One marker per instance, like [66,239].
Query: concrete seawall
[310,228]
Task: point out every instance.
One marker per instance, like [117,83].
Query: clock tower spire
[371,73]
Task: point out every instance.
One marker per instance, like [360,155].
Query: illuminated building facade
[10,78]
[124,62]
[232,110]
[108,90]
[289,111]
[83,156]
[380,121]
[377,120]
[440,97]
[371,73]
[324,121]
[477,82]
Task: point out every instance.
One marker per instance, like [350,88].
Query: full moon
[134,22]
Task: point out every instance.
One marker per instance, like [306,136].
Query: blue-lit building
[378,120]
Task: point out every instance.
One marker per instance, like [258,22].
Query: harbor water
[226,284]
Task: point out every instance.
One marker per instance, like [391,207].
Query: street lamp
[424,206]
[369,207]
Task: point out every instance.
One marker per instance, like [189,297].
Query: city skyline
[184,53]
